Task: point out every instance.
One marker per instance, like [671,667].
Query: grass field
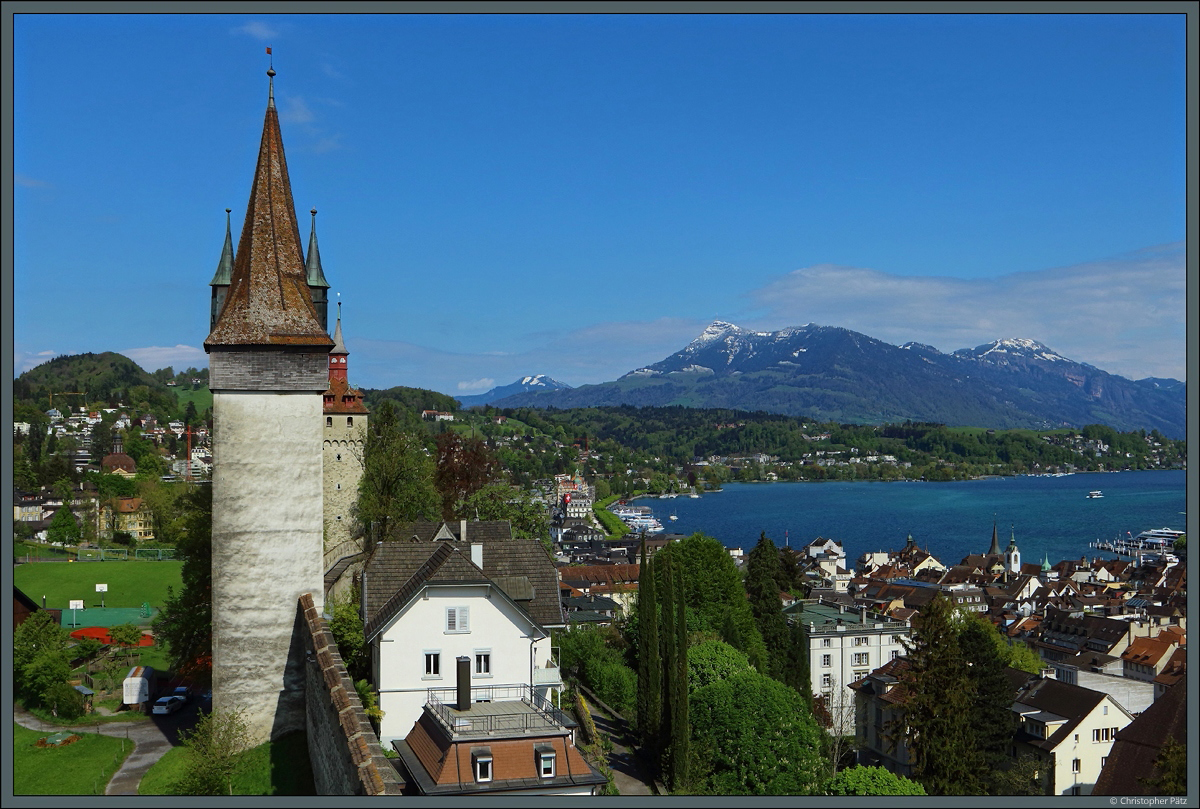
[202,397]
[130,584]
[81,768]
[275,768]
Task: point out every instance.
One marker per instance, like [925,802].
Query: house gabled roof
[519,568]
[1071,702]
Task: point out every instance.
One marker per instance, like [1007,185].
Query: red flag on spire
[268,51]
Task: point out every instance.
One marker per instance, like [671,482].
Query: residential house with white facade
[1069,728]
[844,645]
[454,590]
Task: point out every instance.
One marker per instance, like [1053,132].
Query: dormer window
[481,764]
[545,760]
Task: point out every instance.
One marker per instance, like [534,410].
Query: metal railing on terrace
[497,709]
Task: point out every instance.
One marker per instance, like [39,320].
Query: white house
[433,598]
[844,645]
[1070,728]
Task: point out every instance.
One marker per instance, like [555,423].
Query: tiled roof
[1138,743]
[341,399]
[1072,702]
[269,302]
[399,568]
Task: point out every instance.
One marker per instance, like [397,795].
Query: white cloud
[179,357]
[478,384]
[1125,315]
[257,29]
[295,110]
[29,182]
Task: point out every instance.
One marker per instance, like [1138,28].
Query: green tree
[756,737]
[215,749]
[991,695]
[649,704]
[37,634]
[346,625]
[185,622]
[397,481]
[64,527]
[500,501]
[1170,766]
[762,589]
[47,670]
[125,634]
[939,709]
[712,660]
[464,466]
[681,733]
[861,780]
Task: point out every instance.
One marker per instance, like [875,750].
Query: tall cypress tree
[681,730]
[665,568]
[649,659]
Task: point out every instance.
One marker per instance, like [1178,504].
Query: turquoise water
[1049,515]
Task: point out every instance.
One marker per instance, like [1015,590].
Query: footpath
[150,742]
[629,774]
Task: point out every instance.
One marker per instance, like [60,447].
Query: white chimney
[477,554]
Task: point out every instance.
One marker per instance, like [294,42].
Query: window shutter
[464,619]
[451,619]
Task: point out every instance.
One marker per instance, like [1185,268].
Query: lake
[1049,515]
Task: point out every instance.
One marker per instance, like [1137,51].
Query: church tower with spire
[317,285]
[1012,555]
[341,451]
[268,370]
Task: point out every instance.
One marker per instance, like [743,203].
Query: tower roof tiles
[269,302]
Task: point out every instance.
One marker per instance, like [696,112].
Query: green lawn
[202,397]
[81,768]
[130,584]
[275,768]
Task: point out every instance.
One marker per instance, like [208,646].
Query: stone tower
[268,358]
[317,285]
[341,450]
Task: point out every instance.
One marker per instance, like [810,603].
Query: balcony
[498,710]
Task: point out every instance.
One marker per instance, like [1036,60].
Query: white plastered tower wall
[267,511]
[268,370]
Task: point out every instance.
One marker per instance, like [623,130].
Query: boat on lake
[1092,495]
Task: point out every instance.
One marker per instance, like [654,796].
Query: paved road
[151,739]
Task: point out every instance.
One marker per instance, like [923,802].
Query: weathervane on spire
[271,75]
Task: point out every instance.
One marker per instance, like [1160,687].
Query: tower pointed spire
[317,285]
[221,279]
[995,548]
[269,302]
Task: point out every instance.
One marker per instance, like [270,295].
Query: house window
[458,619]
[433,663]
[482,764]
[860,659]
[329,421]
[546,764]
[1105,711]
[895,653]
[826,643]
[349,421]
[861,641]
[1074,765]
[1103,761]
[860,673]
[826,680]
[483,662]
[826,660]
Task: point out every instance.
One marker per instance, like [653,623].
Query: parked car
[183,693]
[165,705]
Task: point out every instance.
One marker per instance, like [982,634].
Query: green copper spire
[1046,564]
[316,276]
[225,265]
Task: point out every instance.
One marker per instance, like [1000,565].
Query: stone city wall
[346,756]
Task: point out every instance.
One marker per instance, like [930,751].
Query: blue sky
[580,195]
